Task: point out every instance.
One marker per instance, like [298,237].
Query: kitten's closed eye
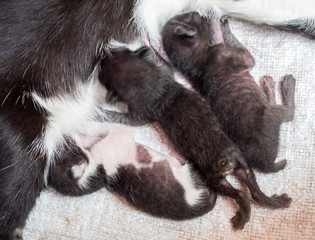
[112,96]
[185,32]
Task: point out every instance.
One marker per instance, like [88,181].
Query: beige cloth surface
[103,216]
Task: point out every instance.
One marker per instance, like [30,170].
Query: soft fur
[48,54]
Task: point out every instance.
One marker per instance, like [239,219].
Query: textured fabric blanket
[101,215]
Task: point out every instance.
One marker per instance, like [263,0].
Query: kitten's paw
[239,220]
[268,86]
[287,88]
[279,165]
[17,235]
[281,201]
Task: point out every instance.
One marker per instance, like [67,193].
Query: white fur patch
[150,16]
[268,11]
[132,46]
[116,149]
[119,148]
[182,173]
[68,114]
[79,170]
[193,193]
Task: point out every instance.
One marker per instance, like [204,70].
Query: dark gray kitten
[152,95]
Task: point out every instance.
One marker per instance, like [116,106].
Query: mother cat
[48,53]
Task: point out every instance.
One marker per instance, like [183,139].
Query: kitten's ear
[228,37]
[185,31]
[143,52]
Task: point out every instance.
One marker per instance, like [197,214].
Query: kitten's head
[196,46]
[137,78]
[186,40]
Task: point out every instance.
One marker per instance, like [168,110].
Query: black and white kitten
[160,185]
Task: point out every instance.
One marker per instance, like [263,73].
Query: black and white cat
[49,52]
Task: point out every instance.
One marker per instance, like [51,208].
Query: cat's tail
[298,16]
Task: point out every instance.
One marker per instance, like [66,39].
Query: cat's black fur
[47,47]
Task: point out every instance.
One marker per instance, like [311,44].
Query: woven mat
[102,216]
